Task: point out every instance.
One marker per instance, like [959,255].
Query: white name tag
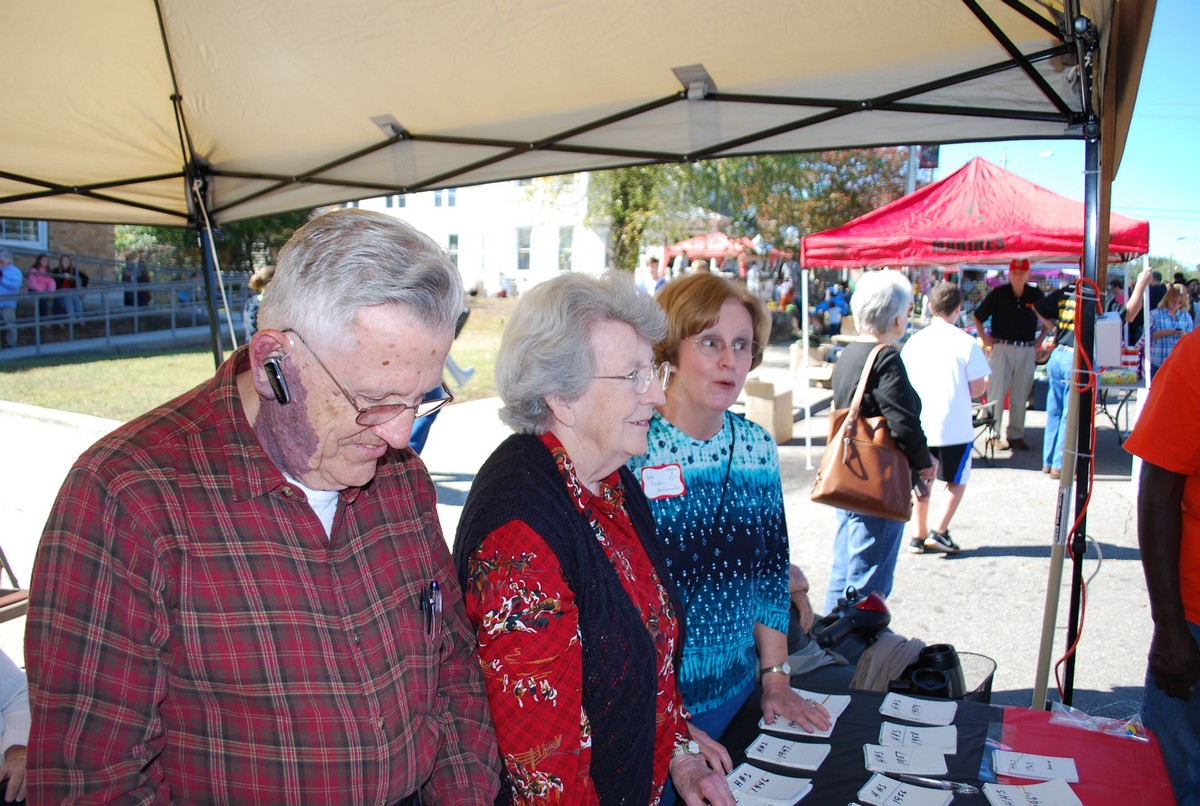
[663,481]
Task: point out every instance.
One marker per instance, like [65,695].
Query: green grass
[121,387]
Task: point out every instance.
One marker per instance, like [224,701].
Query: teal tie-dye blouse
[725,538]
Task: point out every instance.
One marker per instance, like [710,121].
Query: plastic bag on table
[1129,728]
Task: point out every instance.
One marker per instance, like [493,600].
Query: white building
[509,235]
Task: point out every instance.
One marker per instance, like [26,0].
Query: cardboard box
[1109,340]
[770,408]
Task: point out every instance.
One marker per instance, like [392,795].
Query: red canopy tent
[979,214]
[717,246]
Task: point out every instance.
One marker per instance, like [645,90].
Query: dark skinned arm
[1174,656]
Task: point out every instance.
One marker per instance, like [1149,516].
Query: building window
[524,241]
[395,201]
[566,237]
[452,247]
[19,232]
[444,198]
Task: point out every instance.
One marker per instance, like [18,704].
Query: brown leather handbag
[862,470]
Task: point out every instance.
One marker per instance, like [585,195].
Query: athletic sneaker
[916,545]
[940,541]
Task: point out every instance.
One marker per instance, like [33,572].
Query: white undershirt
[322,502]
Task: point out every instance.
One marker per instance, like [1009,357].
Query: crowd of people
[247,590]
[46,282]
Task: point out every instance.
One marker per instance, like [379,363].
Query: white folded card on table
[761,787]
[884,791]
[1056,792]
[774,750]
[912,709]
[835,704]
[940,738]
[914,761]
[1029,765]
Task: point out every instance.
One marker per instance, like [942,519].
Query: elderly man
[244,595]
[1012,340]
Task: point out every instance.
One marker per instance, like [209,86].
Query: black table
[844,771]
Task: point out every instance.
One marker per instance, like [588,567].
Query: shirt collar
[610,498]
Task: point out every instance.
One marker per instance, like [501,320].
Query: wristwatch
[783,668]
[689,748]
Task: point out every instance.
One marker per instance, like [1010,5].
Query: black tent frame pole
[210,292]
[1083,376]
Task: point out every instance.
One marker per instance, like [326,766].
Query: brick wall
[93,240]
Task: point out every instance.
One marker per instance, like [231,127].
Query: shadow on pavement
[1117,703]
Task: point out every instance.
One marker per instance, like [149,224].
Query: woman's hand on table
[698,784]
[779,699]
[713,751]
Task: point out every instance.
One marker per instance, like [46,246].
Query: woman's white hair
[546,347]
[879,297]
[349,259]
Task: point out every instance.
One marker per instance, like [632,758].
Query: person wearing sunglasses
[577,621]
[245,595]
[712,478]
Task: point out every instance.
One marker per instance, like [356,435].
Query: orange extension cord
[1084,380]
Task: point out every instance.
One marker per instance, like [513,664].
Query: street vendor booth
[717,247]
[979,214]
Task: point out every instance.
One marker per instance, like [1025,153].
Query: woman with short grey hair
[866,548]
[879,298]
[545,349]
[577,620]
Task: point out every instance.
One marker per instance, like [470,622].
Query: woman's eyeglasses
[713,346]
[643,376]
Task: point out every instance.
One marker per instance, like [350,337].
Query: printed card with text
[912,709]
[767,787]
[1029,765]
[1051,793]
[919,761]
[835,704]
[941,738]
[774,750]
[884,791]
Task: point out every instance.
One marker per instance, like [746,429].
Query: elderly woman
[866,547]
[576,618]
[712,479]
[1169,323]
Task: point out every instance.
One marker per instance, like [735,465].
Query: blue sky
[1159,176]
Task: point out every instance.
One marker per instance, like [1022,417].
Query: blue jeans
[1058,372]
[864,555]
[1176,725]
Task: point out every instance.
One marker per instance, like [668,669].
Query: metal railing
[107,310]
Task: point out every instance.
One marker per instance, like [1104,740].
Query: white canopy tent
[197,112]
[114,110]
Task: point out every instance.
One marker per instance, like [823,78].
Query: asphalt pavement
[988,600]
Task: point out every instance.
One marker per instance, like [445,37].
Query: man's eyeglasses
[713,346]
[378,415]
[642,376]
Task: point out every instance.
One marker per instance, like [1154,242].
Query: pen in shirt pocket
[432,603]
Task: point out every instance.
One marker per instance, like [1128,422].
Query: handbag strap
[862,382]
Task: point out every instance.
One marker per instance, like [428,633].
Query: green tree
[771,194]
[629,199]
[242,246]
[781,196]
